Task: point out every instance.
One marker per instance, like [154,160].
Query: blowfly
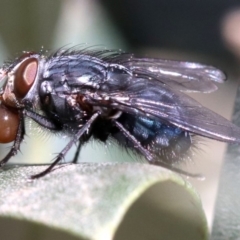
[109,96]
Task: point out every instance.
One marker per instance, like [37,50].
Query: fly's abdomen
[164,141]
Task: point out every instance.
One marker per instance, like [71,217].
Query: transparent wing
[184,76]
[158,101]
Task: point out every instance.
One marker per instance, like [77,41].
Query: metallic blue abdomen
[162,140]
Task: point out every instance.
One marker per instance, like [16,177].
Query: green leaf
[100,202]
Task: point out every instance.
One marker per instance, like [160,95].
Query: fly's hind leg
[136,143]
[151,159]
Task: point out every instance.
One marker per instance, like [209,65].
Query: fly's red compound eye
[9,124]
[25,76]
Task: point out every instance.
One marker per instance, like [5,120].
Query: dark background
[184,25]
[192,26]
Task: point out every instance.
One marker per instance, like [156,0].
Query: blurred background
[201,31]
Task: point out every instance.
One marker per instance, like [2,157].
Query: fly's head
[19,78]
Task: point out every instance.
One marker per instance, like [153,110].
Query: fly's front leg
[62,154]
[41,120]
[17,142]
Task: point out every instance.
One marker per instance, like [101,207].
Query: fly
[88,94]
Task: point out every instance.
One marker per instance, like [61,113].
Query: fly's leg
[62,154]
[41,120]
[136,143]
[149,156]
[76,155]
[17,142]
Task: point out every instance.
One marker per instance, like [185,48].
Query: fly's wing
[184,76]
[155,100]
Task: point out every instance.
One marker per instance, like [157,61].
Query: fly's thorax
[63,105]
[72,73]
[117,78]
